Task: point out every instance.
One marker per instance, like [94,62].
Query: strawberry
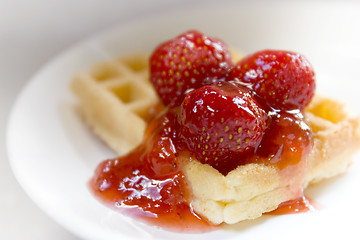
[221,122]
[283,79]
[187,62]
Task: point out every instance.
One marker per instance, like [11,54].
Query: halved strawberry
[221,122]
[187,62]
[283,79]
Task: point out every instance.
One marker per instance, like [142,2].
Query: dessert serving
[205,138]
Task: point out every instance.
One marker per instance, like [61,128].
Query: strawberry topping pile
[218,112]
[225,108]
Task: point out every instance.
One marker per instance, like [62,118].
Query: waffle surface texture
[114,100]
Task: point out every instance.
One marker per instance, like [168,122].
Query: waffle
[116,97]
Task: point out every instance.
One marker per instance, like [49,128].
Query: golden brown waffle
[115,98]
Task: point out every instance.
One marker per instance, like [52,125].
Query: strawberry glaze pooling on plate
[216,112]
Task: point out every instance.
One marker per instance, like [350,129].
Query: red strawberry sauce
[299,205]
[149,184]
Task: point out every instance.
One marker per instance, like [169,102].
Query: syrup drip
[299,205]
[148,182]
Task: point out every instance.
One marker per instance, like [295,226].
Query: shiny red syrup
[148,183]
[300,205]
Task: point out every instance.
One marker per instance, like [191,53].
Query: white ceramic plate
[53,154]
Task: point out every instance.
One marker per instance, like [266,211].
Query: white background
[31,33]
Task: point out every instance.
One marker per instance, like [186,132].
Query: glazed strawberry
[283,79]
[221,122]
[187,62]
